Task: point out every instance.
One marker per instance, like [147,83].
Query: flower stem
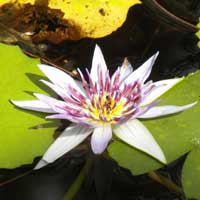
[78,182]
[169,184]
[15,178]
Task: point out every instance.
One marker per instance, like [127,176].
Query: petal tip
[97,150]
[45,68]
[177,80]
[138,136]
[42,66]
[161,158]
[15,103]
[37,95]
[156,54]
[154,57]
[97,52]
[19,104]
[49,117]
[164,161]
[97,47]
[100,139]
[192,104]
[42,163]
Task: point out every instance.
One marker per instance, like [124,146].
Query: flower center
[111,108]
[110,101]
[104,108]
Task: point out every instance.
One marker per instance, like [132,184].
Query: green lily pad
[176,134]
[191,175]
[19,141]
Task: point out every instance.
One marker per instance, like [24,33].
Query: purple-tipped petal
[35,105]
[71,137]
[59,77]
[160,111]
[137,135]
[100,139]
[160,87]
[142,73]
[98,63]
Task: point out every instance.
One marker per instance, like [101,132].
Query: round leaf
[19,141]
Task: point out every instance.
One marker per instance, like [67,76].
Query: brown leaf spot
[102,12]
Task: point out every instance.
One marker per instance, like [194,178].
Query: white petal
[77,120]
[56,105]
[160,88]
[159,111]
[35,105]
[126,69]
[71,137]
[59,77]
[40,164]
[143,72]
[80,85]
[137,135]
[115,74]
[98,62]
[100,139]
[58,90]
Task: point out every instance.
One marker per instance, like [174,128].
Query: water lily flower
[102,106]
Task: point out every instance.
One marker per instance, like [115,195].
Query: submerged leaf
[176,134]
[19,141]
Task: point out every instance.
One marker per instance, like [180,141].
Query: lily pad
[191,175]
[176,134]
[19,141]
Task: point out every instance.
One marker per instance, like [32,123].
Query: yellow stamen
[105,108]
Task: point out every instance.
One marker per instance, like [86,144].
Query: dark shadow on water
[52,124]
[29,93]
[48,124]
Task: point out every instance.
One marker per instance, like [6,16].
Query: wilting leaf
[191,175]
[57,20]
[176,134]
[19,142]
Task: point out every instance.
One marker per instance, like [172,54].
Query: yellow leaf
[90,18]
